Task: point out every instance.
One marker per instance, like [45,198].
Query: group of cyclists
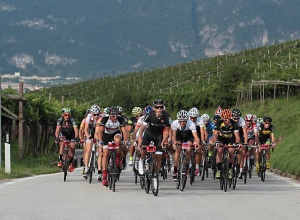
[153,124]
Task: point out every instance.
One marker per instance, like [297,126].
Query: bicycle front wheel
[65,165]
[91,167]
[112,172]
[183,176]
[154,177]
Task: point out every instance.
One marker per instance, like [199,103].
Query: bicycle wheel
[235,172]
[214,165]
[154,178]
[193,169]
[142,181]
[65,165]
[183,176]
[250,171]
[147,179]
[245,170]
[225,174]
[91,167]
[112,172]
[178,180]
[134,168]
[263,169]
[205,166]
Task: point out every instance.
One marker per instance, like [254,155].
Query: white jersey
[140,121]
[241,123]
[190,126]
[199,122]
[91,121]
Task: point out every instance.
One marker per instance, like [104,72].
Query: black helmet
[236,113]
[267,119]
[113,110]
[216,117]
[158,102]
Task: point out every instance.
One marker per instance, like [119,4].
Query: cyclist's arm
[81,132]
[96,135]
[237,136]
[203,133]
[57,131]
[100,133]
[245,135]
[76,131]
[86,130]
[196,137]
[125,133]
[165,135]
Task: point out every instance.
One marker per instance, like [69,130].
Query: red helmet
[249,117]
[226,114]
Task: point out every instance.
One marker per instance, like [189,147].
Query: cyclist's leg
[88,153]
[99,161]
[176,157]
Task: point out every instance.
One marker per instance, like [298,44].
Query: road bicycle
[224,177]
[92,163]
[247,165]
[165,166]
[112,171]
[263,161]
[182,167]
[151,175]
[66,158]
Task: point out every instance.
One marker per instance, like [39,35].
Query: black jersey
[66,127]
[224,130]
[156,125]
[265,132]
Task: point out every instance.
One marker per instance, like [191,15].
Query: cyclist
[82,136]
[137,113]
[202,134]
[226,132]
[154,125]
[128,130]
[266,136]
[216,118]
[112,128]
[183,130]
[252,134]
[236,115]
[66,129]
[89,131]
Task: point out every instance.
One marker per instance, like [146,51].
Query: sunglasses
[113,115]
[182,121]
[268,123]
[226,119]
[159,107]
[248,121]
[95,114]
[193,118]
[68,115]
[137,116]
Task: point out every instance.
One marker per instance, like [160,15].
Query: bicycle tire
[214,165]
[154,176]
[183,174]
[263,169]
[235,171]
[250,171]
[91,167]
[193,169]
[65,159]
[225,172]
[142,182]
[147,179]
[204,165]
[112,172]
[245,170]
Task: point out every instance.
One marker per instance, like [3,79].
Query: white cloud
[7,7]
[179,47]
[53,59]
[36,24]
[21,60]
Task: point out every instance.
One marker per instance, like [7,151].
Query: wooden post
[21,122]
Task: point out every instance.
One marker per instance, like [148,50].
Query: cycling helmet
[260,120]
[95,109]
[236,113]
[194,112]
[147,110]
[66,110]
[87,112]
[182,115]
[120,109]
[248,117]
[106,110]
[158,102]
[226,114]
[113,110]
[267,119]
[254,118]
[136,111]
[205,117]
[216,117]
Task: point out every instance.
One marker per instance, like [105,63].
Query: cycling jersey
[264,134]
[67,128]
[155,126]
[112,126]
[251,130]
[226,131]
[210,127]
[199,124]
[184,134]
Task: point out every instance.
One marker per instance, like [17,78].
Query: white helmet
[95,109]
[205,117]
[194,112]
[182,115]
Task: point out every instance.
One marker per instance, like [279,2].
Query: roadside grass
[286,156]
[29,166]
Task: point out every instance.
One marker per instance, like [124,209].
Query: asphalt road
[49,197]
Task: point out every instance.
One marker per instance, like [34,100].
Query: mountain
[107,37]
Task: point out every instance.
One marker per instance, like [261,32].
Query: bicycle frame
[112,170]
[65,158]
[263,161]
